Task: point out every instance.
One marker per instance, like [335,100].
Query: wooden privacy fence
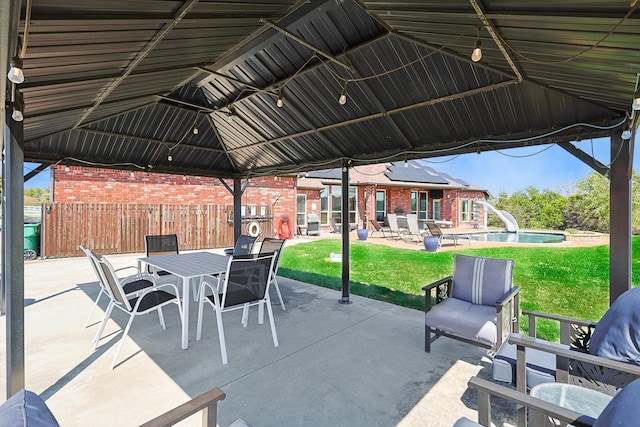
[120,228]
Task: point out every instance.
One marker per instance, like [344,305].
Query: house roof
[123,83]
[412,173]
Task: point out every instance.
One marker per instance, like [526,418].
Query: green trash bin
[31,241]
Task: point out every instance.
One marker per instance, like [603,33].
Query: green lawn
[568,281]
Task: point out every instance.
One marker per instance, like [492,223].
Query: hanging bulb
[280,102]
[636,100]
[626,131]
[476,55]
[17,115]
[343,96]
[170,157]
[230,115]
[406,164]
[195,129]
[66,168]
[15,74]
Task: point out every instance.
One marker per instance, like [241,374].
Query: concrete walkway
[361,364]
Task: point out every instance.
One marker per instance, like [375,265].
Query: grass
[567,281]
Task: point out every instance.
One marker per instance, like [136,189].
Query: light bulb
[15,74]
[195,130]
[626,132]
[230,117]
[636,100]
[66,168]
[476,55]
[406,164]
[170,157]
[343,99]
[17,115]
[280,102]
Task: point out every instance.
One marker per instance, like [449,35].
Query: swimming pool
[520,237]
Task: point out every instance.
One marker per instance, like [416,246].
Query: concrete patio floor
[361,364]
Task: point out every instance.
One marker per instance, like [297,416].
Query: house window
[381,205]
[331,204]
[465,211]
[437,216]
[301,209]
[419,203]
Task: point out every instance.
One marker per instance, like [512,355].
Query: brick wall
[91,185]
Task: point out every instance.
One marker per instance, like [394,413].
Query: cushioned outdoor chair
[622,410]
[602,356]
[246,283]
[477,305]
[413,232]
[394,227]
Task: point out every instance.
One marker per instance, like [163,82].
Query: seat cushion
[466,422]
[461,318]
[481,280]
[617,334]
[25,408]
[623,410]
[541,366]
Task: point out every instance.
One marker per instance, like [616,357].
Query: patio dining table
[188,266]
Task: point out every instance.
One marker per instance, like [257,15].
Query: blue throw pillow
[617,334]
[25,408]
[623,410]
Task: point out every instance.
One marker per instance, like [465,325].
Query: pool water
[524,237]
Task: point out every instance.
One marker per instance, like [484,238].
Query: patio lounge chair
[377,227]
[413,232]
[337,228]
[246,283]
[434,230]
[393,226]
[603,356]
[622,410]
[477,305]
[149,299]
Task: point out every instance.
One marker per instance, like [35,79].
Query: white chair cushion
[462,318]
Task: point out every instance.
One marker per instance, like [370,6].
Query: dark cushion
[481,280]
[623,410]
[27,409]
[540,368]
[617,334]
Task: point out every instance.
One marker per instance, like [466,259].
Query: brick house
[401,187]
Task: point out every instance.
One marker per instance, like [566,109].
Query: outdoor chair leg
[124,336]
[95,304]
[223,346]
[161,316]
[274,334]
[107,313]
[275,283]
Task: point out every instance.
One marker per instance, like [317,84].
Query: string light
[195,127]
[476,55]
[626,131]
[15,74]
[343,96]
[280,102]
[170,157]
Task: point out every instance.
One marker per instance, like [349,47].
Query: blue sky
[545,167]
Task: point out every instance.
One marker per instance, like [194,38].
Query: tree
[36,196]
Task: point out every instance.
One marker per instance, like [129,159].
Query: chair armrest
[440,282]
[513,292]
[563,355]
[569,327]
[486,389]
[428,289]
[128,267]
[139,276]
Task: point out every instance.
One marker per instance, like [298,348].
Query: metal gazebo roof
[123,83]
